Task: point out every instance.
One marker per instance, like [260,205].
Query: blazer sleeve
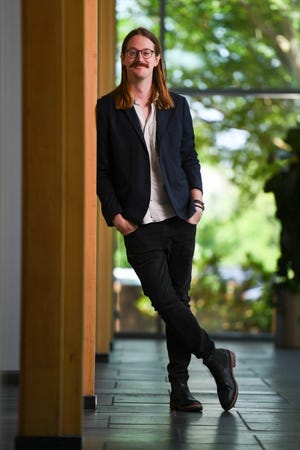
[189,157]
[105,189]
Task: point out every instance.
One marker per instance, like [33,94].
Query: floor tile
[133,402]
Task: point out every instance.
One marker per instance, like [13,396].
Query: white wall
[10,182]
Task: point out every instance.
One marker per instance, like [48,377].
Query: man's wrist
[116,218]
[199,204]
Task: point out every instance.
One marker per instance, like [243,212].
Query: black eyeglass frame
[137,52]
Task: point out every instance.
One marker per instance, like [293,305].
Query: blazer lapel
[162,118]
[133,118]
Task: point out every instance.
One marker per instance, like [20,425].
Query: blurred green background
[237,62]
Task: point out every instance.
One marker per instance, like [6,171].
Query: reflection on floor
[133,402]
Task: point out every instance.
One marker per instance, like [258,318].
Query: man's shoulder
[175,95]
[106,100]
[177,98]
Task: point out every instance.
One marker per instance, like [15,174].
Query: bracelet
[199,204]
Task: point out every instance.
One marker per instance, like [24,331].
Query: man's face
[139,67]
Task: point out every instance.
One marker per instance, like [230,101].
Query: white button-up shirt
[160,207]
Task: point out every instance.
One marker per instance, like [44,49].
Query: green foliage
[214,51]
[221,303]
[231,232]
[120,258]
[235,44]
[244,138]
[144,306]
[229,239]
[232,43]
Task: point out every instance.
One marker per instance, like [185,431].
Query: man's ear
[158,58]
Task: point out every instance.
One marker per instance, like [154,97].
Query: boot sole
[188,408]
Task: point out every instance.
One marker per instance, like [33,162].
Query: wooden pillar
[54,277]
[106,82]
[90,216]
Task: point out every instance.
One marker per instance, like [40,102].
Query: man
[150,188]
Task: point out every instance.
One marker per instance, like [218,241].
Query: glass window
[237,62]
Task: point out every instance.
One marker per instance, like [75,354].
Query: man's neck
[141,92]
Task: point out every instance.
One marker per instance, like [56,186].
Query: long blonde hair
[160,93]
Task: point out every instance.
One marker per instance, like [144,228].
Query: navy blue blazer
[123,168]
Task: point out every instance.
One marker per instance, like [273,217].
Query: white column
[10,182]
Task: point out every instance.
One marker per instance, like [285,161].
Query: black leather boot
[220,362]
[181,399]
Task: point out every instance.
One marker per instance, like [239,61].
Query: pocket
[189,225]
[132,233]
[190,229]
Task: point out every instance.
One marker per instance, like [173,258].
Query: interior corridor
[133,402]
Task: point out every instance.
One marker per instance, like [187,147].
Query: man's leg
[180,252]
[220,362]
[147,253]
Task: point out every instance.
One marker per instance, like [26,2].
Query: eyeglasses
[133,53]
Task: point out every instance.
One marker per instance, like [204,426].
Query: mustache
[138,64]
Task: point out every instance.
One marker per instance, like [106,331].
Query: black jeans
[161,254]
